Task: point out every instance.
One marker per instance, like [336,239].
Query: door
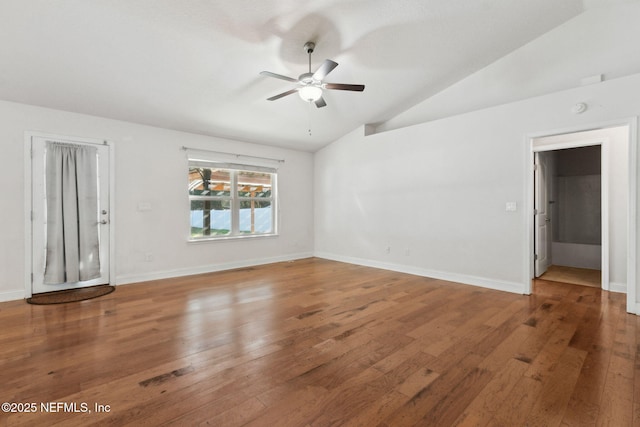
[39,215]
[542,215]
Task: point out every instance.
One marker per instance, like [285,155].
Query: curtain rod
[232,154]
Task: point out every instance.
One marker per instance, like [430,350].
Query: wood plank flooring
[573,275]
[322,343]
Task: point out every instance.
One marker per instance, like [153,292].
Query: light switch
[511,207]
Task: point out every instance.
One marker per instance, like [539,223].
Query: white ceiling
[194,65]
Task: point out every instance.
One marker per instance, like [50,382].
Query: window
[230,200]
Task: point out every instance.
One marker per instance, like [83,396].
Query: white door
[39,216]
[542,214]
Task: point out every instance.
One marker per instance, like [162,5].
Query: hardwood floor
[573,275]
[321,343]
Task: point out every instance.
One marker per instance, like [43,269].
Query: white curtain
[72,214]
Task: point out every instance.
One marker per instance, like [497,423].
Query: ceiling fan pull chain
[309,110]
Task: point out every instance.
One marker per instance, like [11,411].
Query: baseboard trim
[618,287]
[180,272]
[11,296]
[498,285]
[440,275]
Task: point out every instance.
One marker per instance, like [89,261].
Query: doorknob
[104,221]
[547,219]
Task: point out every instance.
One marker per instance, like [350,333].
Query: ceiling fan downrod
[309,47]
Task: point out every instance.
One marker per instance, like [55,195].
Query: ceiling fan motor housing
[307,78]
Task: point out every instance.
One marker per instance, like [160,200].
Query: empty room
[319,213]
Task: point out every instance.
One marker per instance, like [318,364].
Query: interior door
[39,216]
[542,214]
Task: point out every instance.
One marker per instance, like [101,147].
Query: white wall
[151,168]
[580,256]
[457,173]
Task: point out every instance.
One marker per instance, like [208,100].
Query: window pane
[254,184]
[210,218]
[209,182]
[256,217]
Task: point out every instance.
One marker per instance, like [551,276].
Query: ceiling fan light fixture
[310,93]
[310,85]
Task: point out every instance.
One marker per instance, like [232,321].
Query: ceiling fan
[310,85]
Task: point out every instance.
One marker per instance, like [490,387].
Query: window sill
[227,238]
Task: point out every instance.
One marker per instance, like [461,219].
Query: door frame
[632,123]
[604,199]
[28,203]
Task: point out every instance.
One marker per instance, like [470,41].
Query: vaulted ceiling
[194,65]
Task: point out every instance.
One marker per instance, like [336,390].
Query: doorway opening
[568,216]
[567,229]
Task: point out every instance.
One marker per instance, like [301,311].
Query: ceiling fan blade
[283,94]
[278,76]
[341,86]
[320,102]
[326,67]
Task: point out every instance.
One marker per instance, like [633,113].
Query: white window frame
[235,199]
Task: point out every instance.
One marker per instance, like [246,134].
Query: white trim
[605,214]
[528,273]
[499,285]
[28,252]
[180,272]
[223,238]
[632,258]
[221,156]
[28,202]
[587,142]
[620,288]
[604,199]
[11,296]
[529,267]
[112,213]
